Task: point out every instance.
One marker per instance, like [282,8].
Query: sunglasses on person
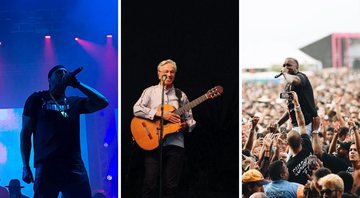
[327,191]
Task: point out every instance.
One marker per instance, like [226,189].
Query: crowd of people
[307,154]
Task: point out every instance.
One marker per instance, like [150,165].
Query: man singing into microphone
[298,82]
[173,147]
[54,121]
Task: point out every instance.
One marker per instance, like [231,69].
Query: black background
[202,37]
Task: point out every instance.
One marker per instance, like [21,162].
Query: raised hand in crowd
[268,140]
[249,163]
[299,115]
[254,121]
[250,141]
[273,128]
[337,101]
[332,146]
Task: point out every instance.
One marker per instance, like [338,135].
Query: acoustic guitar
[146,132]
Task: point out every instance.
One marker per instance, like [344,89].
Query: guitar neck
[190,105]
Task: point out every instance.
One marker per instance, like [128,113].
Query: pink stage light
[0,43]
[109,36]
[94,50]
[76,38]
[49,56]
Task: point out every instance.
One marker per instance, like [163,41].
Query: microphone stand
[161,136]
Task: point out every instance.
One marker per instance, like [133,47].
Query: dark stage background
[202,38]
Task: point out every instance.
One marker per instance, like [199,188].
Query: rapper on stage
[53,120]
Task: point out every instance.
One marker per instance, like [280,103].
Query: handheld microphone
[163,77]
[76,71]
[277,76]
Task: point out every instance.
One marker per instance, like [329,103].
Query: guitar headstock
[214,92]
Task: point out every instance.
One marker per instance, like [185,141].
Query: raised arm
[332,146]
[266,147]
[316,144]
[354,128]
[278,141]
[336,101]
[293,79]
[96,100]
[250,141]
[298,113]
[283,119]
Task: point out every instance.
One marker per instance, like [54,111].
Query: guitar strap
[178,95]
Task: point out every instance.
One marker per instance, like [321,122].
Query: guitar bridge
[147,130]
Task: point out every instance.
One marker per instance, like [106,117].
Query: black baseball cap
[54,69]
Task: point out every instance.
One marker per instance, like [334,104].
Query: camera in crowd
[312,162]
[260,135]
[283,130]
[287,96]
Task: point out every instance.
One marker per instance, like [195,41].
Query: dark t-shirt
[336,164]
[298,165]
[306,99]
[56,138]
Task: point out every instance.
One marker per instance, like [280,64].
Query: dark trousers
[72,181]
[173,162]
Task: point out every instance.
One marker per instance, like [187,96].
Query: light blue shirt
[150,101]
[282,189]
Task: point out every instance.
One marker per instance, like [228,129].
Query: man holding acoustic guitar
[178,118]
[145,128]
